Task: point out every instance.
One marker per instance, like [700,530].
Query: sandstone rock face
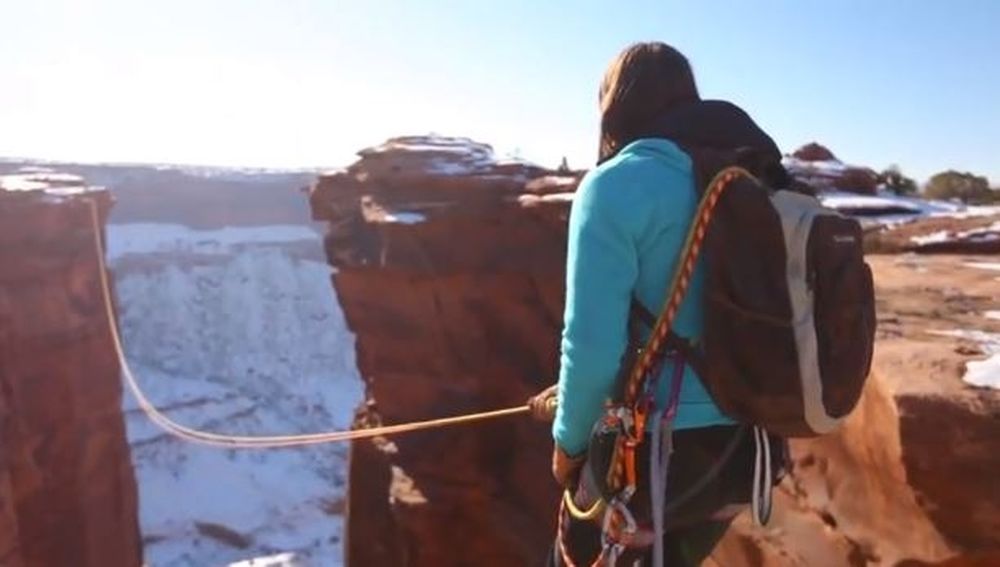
[10,552]
[451,275]
[940,235]
[912,475]
[816,165]
[814,151]
[67,493]
[454,285]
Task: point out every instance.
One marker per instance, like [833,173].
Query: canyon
[427,283]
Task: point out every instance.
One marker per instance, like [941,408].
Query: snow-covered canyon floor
[235,330]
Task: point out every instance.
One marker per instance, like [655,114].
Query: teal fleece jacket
[627,225]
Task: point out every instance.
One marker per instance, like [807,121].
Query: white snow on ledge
[984,373]
[992,266]
[558,181]
[827,166]
[404,217]
[932,238]
[886,208]
[982,234]
[843,200]
[529,199]
[980,373]
[430,143]
[280,560]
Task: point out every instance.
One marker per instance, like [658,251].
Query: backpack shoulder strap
[641,317]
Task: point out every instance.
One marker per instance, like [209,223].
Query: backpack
[790,310]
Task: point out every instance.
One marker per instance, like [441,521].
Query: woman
[627,226]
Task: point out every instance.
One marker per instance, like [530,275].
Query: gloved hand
[543,404]
[566,469]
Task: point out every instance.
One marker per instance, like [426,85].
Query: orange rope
[253,442]
[678,289]
[682,278]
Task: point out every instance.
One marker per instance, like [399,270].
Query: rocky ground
[978,234]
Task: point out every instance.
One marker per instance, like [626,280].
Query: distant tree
[564,166]
[963,186]
[992,198]
[894,180]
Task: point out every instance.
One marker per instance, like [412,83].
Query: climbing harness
[630,418]
[251,442]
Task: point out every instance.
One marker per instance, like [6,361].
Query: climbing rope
[622,474]
[253,442]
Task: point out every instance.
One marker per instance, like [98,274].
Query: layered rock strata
[67,491]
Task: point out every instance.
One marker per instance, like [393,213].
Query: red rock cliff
[67,492]
[912,477]
[816,165]
[451,275]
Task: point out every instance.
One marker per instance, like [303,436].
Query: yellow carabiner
[589,514]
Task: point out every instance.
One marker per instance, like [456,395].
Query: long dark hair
[644,81]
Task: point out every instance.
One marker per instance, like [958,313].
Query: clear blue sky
[307,82]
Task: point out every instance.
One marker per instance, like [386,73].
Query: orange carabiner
[639,414]
[630,469]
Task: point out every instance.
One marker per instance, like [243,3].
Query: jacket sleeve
[601,272]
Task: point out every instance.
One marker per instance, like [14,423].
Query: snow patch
[859,204]
[280,560]
[544,184]
[888,201]
[529,199]
[404,218]
[559,197]
[828,167]
[442,167]
[933,238]
[44,179]
[993,266]
[982,234]
[512,160]
[432,144]
[980,373]
[995,315]
[984,373]
[887,208]
[558,181]
[442,155]
[975,211]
